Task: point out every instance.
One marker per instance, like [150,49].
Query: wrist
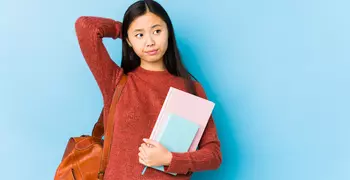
[118,29]
[169,158]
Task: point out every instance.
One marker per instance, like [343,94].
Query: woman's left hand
[152,153]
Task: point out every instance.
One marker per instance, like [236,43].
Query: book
[185,105]
[188,106]
[177,135]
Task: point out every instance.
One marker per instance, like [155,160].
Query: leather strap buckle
[100,174]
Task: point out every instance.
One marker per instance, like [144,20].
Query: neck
[153,66]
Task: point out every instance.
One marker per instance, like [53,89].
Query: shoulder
[179,82]
[199,89]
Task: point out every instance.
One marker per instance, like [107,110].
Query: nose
[149,41]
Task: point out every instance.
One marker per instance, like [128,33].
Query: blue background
[277,70]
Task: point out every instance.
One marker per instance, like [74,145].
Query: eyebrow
[136,30]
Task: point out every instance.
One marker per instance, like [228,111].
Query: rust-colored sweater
[138,109]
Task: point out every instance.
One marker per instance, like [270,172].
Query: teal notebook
[176,136]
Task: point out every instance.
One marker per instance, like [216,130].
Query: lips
[152,52]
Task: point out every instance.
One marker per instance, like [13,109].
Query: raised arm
[90,31]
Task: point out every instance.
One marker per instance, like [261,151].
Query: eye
[158,31]
[137,35]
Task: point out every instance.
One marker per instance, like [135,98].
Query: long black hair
[172,57]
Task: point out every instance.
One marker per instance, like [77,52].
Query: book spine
[161,114]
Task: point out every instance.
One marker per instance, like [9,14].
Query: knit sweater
[138,109]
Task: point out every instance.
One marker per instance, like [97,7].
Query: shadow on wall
[224,122]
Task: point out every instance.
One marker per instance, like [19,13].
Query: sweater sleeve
[90,31]
[207,157]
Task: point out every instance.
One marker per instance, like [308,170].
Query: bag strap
[110,126]
[98,130]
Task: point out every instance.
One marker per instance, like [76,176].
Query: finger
[144,146]
[143,157]
[144,149]
[141,161]
[143,152]
[151,142]
[148,145]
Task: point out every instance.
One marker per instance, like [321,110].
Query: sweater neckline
[153,76]
[142,70]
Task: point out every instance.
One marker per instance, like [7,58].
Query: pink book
[188,106]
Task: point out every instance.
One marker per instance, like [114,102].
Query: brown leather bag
[85,157]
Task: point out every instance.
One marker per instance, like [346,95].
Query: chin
[152,59]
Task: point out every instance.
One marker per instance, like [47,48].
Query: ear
[127,40]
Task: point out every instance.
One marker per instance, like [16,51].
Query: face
[148,36]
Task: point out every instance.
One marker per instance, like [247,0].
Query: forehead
[146,22]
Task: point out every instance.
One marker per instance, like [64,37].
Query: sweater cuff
[118,28]
[180,163]
[109,28]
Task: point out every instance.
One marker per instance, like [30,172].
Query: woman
[152,62]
